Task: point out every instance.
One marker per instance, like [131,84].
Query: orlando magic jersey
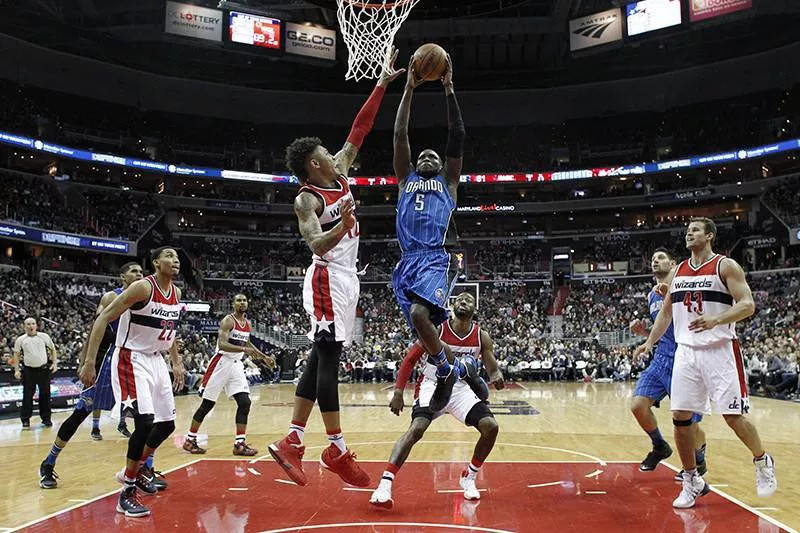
[667,345]
[424,211]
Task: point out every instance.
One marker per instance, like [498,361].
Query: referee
[36,368]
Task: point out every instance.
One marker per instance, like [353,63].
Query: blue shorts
[429,275]
[656,382]
[101,394]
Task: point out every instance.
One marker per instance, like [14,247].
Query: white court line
[596,473]
[551,484]
[285,481]
[78,501]
[72,507]
[765,508]
[238,489]
[449,491]
[357,489]
[720,485]
[753,510]
[594,492]
[405,524]
[254,471]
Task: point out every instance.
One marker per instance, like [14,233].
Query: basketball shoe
[443,391]
[47,476]
[701,469]
[190,445]
[474,380]
[468,484]
[159,481]
[694,486]
[129,503]
[96,435]
[241,448]
[655,456]
[144,480]
[382,496]
[766,482]
[344,465]
[288,453]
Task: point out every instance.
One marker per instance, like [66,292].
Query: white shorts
[142,384]
[714,372]
[330,296]
[224,373]
[462,400]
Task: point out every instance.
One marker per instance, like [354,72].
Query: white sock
[300,430]
[240,438]
[472,471]
[191,435]
[338,440]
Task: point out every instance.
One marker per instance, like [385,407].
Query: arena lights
[520,177]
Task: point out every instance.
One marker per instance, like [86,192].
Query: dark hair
[155,254]
[127,266]
[664,251]
[239,294]
[297,153]
[708,224]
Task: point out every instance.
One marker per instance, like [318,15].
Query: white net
[368,30]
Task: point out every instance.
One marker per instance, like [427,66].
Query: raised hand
[348,214]
[412,81]
[389,74]
[447,77]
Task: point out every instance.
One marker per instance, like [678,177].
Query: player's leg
[163,424]
[96,435]
[652,387]
[288,452]
[122,427]
[728,387]
[240,446]
[483,420]
[420,421]
[689,395]
[47,476]
[212,384]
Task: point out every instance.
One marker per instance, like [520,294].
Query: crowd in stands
[37,201]
[785,199]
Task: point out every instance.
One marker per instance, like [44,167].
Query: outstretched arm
[456,132]
[487,355]
[402,148]
[362,125]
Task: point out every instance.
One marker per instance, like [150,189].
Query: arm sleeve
[366,117]
[414,354]
[456,132]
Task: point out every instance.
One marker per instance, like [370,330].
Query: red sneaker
[344,465]
[288,453]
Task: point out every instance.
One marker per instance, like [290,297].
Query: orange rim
[368,5]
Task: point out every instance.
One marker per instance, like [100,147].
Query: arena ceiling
[494,43]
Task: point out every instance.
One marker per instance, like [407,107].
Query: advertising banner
[594,30]
[707,9]
[310,41]
[193,21]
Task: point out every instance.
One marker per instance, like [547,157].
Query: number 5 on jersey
[693,302]
[419,202]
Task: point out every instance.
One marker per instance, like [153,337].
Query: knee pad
[143,425]
[243,407]
[307,386]
[159,433]
[682,423]
[205,407]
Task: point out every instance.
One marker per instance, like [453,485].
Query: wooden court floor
[540,422]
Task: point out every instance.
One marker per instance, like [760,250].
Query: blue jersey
[667,345]
[115,324]
[424,210]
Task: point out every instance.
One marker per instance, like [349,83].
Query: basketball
[430,62]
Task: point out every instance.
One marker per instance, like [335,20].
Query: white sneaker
[470,490]
[766,482]
[694,486]
[382,496]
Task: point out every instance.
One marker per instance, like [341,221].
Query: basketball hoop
[368,30]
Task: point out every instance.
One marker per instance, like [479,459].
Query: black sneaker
[476,382]
[144,481]
[47,423]
[123,429]
[159,481]
[96,435]
[444,388]
[47,476]
[26,424]
[654,457]
[129,503]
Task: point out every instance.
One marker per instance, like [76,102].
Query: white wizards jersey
[345,253]
[470,344]
[239,336]
[697,291]
[149,327]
